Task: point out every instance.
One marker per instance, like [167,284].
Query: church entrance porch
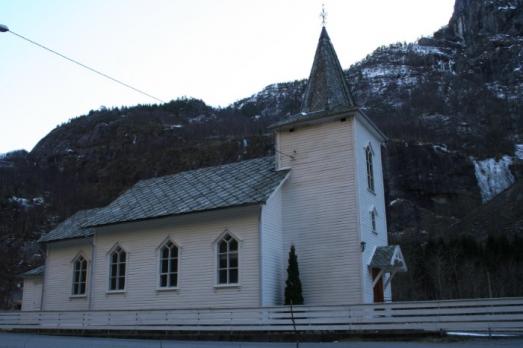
[386,259]
[378,287]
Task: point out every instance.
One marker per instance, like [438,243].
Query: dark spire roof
[327,88]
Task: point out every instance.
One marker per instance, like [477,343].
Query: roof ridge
[76,220]
[232,184]
[203,169]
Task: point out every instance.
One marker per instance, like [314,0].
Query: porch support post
[393,273]
[380,274]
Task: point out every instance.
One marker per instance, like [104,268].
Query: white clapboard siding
[272,260]
[58,277]
[320,210]
[195,234]
[481,315]
[368,200]
[32,294]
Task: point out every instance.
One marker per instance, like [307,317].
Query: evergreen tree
[293,293]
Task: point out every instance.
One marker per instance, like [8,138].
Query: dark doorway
[378,288]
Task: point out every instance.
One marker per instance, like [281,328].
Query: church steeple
[327,89]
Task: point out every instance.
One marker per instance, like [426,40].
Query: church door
[378,288]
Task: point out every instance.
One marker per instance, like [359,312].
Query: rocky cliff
[451,104]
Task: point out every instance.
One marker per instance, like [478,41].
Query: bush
[293,293]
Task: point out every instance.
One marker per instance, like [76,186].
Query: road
[19,340]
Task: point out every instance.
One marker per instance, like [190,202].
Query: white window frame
[373,213]
[159,270]
[110,263]
[369,165]
[77,258]
[216,247]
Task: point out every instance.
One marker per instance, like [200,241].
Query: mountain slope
[446,102]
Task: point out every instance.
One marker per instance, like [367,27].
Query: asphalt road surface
[19,340]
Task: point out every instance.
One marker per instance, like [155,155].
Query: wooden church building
[220,236]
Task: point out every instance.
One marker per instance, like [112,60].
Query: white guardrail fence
[478,315]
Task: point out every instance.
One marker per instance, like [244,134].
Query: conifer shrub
[293,293]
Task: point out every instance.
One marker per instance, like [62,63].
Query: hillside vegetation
[451,105]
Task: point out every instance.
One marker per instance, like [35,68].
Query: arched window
[227,260]
[168,265]
[370,167]
[118,260]
[79,275]
[373,224]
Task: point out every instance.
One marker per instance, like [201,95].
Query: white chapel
[220,236]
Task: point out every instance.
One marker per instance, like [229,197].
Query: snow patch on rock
[27,202]
[441,148]
[417,49]
[508,7]
[174,126]
[424,50]
[385,71]
[501,91]
[38,200]
[518,151]
[435,118]
[201,118]
[24,202]
[272,91]
[493,176]
[396,201]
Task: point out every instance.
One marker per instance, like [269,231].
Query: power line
[83,65]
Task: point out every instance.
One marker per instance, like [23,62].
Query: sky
[215,50]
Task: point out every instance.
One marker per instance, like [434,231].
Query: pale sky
[216,50]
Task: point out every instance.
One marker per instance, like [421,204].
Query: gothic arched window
[373,223]
[369,154]
[79,275]
[118,262]
[168,265]
[227,260]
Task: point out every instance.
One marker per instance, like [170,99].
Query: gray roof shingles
[385,258]
[235,184]
[382,257]
[327,90]
[327,87]
[35,272]
[70,228]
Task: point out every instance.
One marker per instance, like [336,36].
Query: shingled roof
[35,272]
[71,227]
[236,184]
[327,89]
[388,257]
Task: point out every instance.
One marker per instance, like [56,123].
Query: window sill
[168,289]
[113,292]
[371,191]
[227,286]
[77,296]
[375,233]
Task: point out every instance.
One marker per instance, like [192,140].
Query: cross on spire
[323,15]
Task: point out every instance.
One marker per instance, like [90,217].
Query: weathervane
[323,15]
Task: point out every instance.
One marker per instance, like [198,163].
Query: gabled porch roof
[388,258]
